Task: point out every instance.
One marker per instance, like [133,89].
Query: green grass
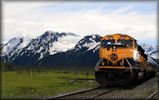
[21,85]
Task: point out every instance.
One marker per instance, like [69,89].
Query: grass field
[43,84]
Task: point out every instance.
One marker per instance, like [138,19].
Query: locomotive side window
[104,43]
[135,44]
[127,42]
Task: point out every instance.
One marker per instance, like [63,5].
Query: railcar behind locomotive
[121,61]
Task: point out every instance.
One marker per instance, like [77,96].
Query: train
[122,61]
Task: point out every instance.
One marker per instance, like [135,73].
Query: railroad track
[72,93]
[83,92]
[152,95]
[100,94]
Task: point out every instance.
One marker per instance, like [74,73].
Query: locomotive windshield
[127,42]
[104,43]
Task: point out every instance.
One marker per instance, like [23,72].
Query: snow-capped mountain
[85,53]
[48,43]
[14,44]
[51,43]
[148,48]
[88,43]
[151,51]
[53,48]
[155,54]
[64,43]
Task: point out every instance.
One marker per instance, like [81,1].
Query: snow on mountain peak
[64,43]
[148,48]
[90,42]
[151,51]
[14,44]
[52,42]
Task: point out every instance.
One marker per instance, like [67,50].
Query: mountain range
[58,49]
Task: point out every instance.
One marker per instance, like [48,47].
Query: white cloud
[33,19]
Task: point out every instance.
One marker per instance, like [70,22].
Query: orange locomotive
[121,61]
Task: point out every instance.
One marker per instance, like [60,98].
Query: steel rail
[100,94]
[152,95]
[69,94]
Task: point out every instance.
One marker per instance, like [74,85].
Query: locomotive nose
[113,57]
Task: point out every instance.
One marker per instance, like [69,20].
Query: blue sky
[137,19]
[142,7]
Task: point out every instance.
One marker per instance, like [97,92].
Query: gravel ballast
[141,91]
